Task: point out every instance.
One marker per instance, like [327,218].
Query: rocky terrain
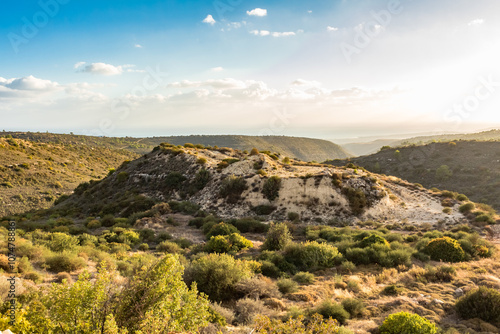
[233,184]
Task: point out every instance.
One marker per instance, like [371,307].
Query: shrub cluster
[232,187]
[482,303]
[272,187]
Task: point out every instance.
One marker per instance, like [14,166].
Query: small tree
[157,300]
[277,237]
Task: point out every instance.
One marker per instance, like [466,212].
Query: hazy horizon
[323,69]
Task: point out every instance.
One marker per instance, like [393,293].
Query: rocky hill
[234,184]
[468,167]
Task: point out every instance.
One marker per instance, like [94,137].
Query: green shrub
[64,262]
[264,210]
[60,277]
[174,180]
[353,306]
[272,187]
[311,254]
[254,151]
[462,197]
[482,303]
[347,267]
[303,277]
[392,290]
[286,285]
[357,255]
[34,277]
[373,239]
[221,229]
[217,274]
[228,243]
[108,220]
[329,309]
[277,238]
[232,187]
[245,225]
[168,247]
[443,173]
[357,199]
[467,207]
[297,325]
[62,242]
[269,269]
[184,207]
[485,218]
[407,323]
[122,177]
[143,247]
[201,179]
[444,249]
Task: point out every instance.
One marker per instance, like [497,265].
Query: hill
[359,149]
[233,184]
[33,174]
[468,167]
[371,147]
[306,149]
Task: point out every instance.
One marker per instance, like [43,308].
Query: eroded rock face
[233,184]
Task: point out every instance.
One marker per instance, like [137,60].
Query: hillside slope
[34,174]
[472,168]
[371,147]
[306,149]
[233,184]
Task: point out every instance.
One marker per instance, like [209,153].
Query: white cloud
[475,22]
[217,69]
[26,87]
[209,19]
[283,34]
[100,68]
[79,64]
[138,46]
[29,83]
[301,82]
[310,11]
[274,34]
[257,12]
[227,83]
[260,32]
[329,28]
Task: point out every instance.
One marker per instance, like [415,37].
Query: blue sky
[326,69]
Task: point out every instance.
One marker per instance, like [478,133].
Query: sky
[322,69]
